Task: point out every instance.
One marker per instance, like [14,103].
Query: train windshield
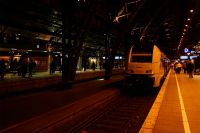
[142,52]
[142,58]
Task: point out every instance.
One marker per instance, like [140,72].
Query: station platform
[13,83]
[177,106]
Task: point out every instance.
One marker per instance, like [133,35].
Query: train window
[145,58]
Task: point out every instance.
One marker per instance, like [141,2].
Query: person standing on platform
[93,66]
[84,66]
[190,68]
[52,67]
[178,67]
[2,69]
[24,66]
[184,67]
[31,66]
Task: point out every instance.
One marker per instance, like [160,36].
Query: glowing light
[185,29]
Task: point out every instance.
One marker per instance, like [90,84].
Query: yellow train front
[146,66]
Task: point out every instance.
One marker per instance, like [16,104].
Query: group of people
[26,66]
[187,66]
[88,65]
[22,67]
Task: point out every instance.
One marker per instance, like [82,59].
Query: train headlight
[148,71]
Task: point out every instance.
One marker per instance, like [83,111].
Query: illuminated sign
[183,57]
[186,50]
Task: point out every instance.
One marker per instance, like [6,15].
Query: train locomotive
[146,66]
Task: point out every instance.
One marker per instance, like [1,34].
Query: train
[12,57]
[147,65]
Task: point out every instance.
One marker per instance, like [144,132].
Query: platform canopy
[173,24]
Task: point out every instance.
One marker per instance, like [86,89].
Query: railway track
[124,114]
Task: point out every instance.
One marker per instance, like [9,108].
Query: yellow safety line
[184,115]
[150,121]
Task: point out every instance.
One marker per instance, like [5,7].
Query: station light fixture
[185,28]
